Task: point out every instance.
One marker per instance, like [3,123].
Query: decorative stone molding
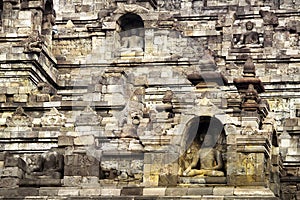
[19,119]
[132,8]
[53,118]
[34,43]
[88,117]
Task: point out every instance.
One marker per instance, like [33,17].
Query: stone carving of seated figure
[52,162]
[34,163]
[132,42]
[250,38]
[49,164]
[210,159]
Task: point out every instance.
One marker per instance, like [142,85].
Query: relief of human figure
[211,162]
[187,158]
[132,42]
[250,37]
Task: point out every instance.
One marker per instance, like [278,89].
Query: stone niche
[203,153]
[1,11]
[131,35]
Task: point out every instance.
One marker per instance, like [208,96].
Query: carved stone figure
[133,41]
[249,38]
[48,164]
[186,159]
[34,42]
[52,162]
[210,158]
[251,94]
[34,163]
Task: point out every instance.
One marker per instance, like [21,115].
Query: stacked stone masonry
[149,99]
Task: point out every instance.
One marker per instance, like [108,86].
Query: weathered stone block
[65,141]
[68,191]
[3,156]
[48,191]
[110,192]
[291,122]
[9,182]
[223,191]
[255,191]
[9,192]
[132,191]
[167,180]
[2,98]
[81,165]
[42,97]
[72,181]
[20,98]
[159,191]
[84,140]
[200,191]
[40,182]
[15,172]
[90,192]
[15,162]
[31,191]
[12,90]
[176,191]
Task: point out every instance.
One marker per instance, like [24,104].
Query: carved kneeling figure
[210,161]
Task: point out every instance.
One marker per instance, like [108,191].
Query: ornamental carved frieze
[53,118]
[19,119]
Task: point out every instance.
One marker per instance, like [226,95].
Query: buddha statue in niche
[250,38]
[132,41]
[210,159]
[186,159]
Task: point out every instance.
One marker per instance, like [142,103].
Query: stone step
[138,193]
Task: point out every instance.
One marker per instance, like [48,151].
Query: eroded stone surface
[115,98]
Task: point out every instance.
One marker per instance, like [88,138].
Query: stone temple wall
[149,99]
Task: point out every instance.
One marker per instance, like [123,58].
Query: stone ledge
[203,180]
[205,197]
[201,192]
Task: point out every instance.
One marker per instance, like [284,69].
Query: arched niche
[131,32]
[48,18]
[1,11]
[197,131]
[48,6]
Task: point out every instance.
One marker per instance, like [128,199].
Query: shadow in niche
[131,35]
[1,11]
[204,152]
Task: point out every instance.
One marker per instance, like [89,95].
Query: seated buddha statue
[210,160]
